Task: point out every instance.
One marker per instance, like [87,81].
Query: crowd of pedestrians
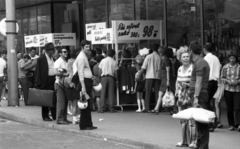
[194,75]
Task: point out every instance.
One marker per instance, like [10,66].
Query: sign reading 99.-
[139,30]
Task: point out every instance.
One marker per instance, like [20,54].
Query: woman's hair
[168,52]
[180,51]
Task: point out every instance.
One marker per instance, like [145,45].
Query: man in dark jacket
[44,77]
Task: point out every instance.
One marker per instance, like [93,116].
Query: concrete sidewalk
[140,129]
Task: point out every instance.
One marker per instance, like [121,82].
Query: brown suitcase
[40,97]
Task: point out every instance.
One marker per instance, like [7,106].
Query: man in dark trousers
[45,78]
[85,78]
[199,90]
[109,69]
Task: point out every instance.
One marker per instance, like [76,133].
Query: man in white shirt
[60,67]
[31,68]
[109,69]
[3,66]
[214,74]
[85,78]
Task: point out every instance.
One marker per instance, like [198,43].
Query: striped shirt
[231,73]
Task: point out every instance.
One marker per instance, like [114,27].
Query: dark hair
[33,48]
[110,52]
[195,47]
[3,52]
[73,54]
[98,51]
[99,58]
[26,56]
[60,50]
[93,53]
[208,47]
[85,42]
[155,47]
[168,52]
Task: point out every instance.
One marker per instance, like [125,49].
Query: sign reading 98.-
[139,30]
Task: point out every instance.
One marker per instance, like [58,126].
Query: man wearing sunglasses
[60,67]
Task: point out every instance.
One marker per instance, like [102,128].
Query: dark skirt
[72,94]
[140,86]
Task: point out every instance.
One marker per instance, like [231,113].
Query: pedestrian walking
[45,78]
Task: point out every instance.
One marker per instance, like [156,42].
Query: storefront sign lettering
[104,36]
[93,26]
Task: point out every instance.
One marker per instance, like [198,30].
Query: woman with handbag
[183,93]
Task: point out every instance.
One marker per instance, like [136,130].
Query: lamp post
[12,56]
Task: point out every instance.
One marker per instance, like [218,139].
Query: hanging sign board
[139,30]
[103,36]
[93,26]
[58,39]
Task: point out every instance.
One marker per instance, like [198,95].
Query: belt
[107,76]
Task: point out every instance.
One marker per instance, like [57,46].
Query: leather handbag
[38,97]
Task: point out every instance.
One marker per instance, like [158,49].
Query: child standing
[139,88]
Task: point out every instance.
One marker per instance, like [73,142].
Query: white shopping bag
[168,99]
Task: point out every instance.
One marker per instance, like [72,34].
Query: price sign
[139,30]
[93,26]
[103,36]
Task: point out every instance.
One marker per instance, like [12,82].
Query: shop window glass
[222,26]
[95,11]
[3,41]
[59,17]
[183,21]
[19,37]
[44,19]
[30,21]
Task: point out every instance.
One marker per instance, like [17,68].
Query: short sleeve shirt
[3,65]
[108,66]
[60,64]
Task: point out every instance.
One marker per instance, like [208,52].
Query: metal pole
[165,23]
[202,21]
[12,56]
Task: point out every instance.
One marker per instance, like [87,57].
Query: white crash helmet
[82,105]
[97,87]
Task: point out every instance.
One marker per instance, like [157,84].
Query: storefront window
[44,19]
[3,41]
[19,37]
[30,21]
[222,26]
[183,21]
[59,17]
[95,11]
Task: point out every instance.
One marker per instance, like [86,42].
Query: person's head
[3,54]
[98,51]
[207,48]
[167,52]
[19,56]
[50,49]
[110,53]
[195,48]
[86,46]
[26,57]
[233,59]
[155,47]
[183,55]
[63,52]
[32,52]
[99,58]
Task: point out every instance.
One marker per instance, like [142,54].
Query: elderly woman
[183,93]
[231,78]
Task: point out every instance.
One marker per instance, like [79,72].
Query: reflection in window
[44,19]
[95,11]
[29,21]
[59,17]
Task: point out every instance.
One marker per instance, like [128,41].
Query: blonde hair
[180,51]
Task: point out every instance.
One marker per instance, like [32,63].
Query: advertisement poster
[93,26]
[103,36]
[139,30]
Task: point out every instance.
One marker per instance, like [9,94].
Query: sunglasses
[64,51]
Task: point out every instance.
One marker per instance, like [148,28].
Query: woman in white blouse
[189,138]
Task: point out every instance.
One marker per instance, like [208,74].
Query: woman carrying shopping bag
[189,135]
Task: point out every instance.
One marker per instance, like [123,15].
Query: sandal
[192,145]
[180,144]
[219,125]
[154,111]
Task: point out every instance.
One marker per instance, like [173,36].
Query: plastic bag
[168,99]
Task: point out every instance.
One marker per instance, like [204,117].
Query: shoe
[211,129]
[47,119]
[87,128]
[139,110]
[68,121]
[231,128]
[239,128]
[62,122]
[154,111]
[144,111]
[93,127]
[219,125]
[180,144]
[193,146]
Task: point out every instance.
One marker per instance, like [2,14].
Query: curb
[83,133]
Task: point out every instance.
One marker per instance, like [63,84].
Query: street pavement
[139,129]
[14,135]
